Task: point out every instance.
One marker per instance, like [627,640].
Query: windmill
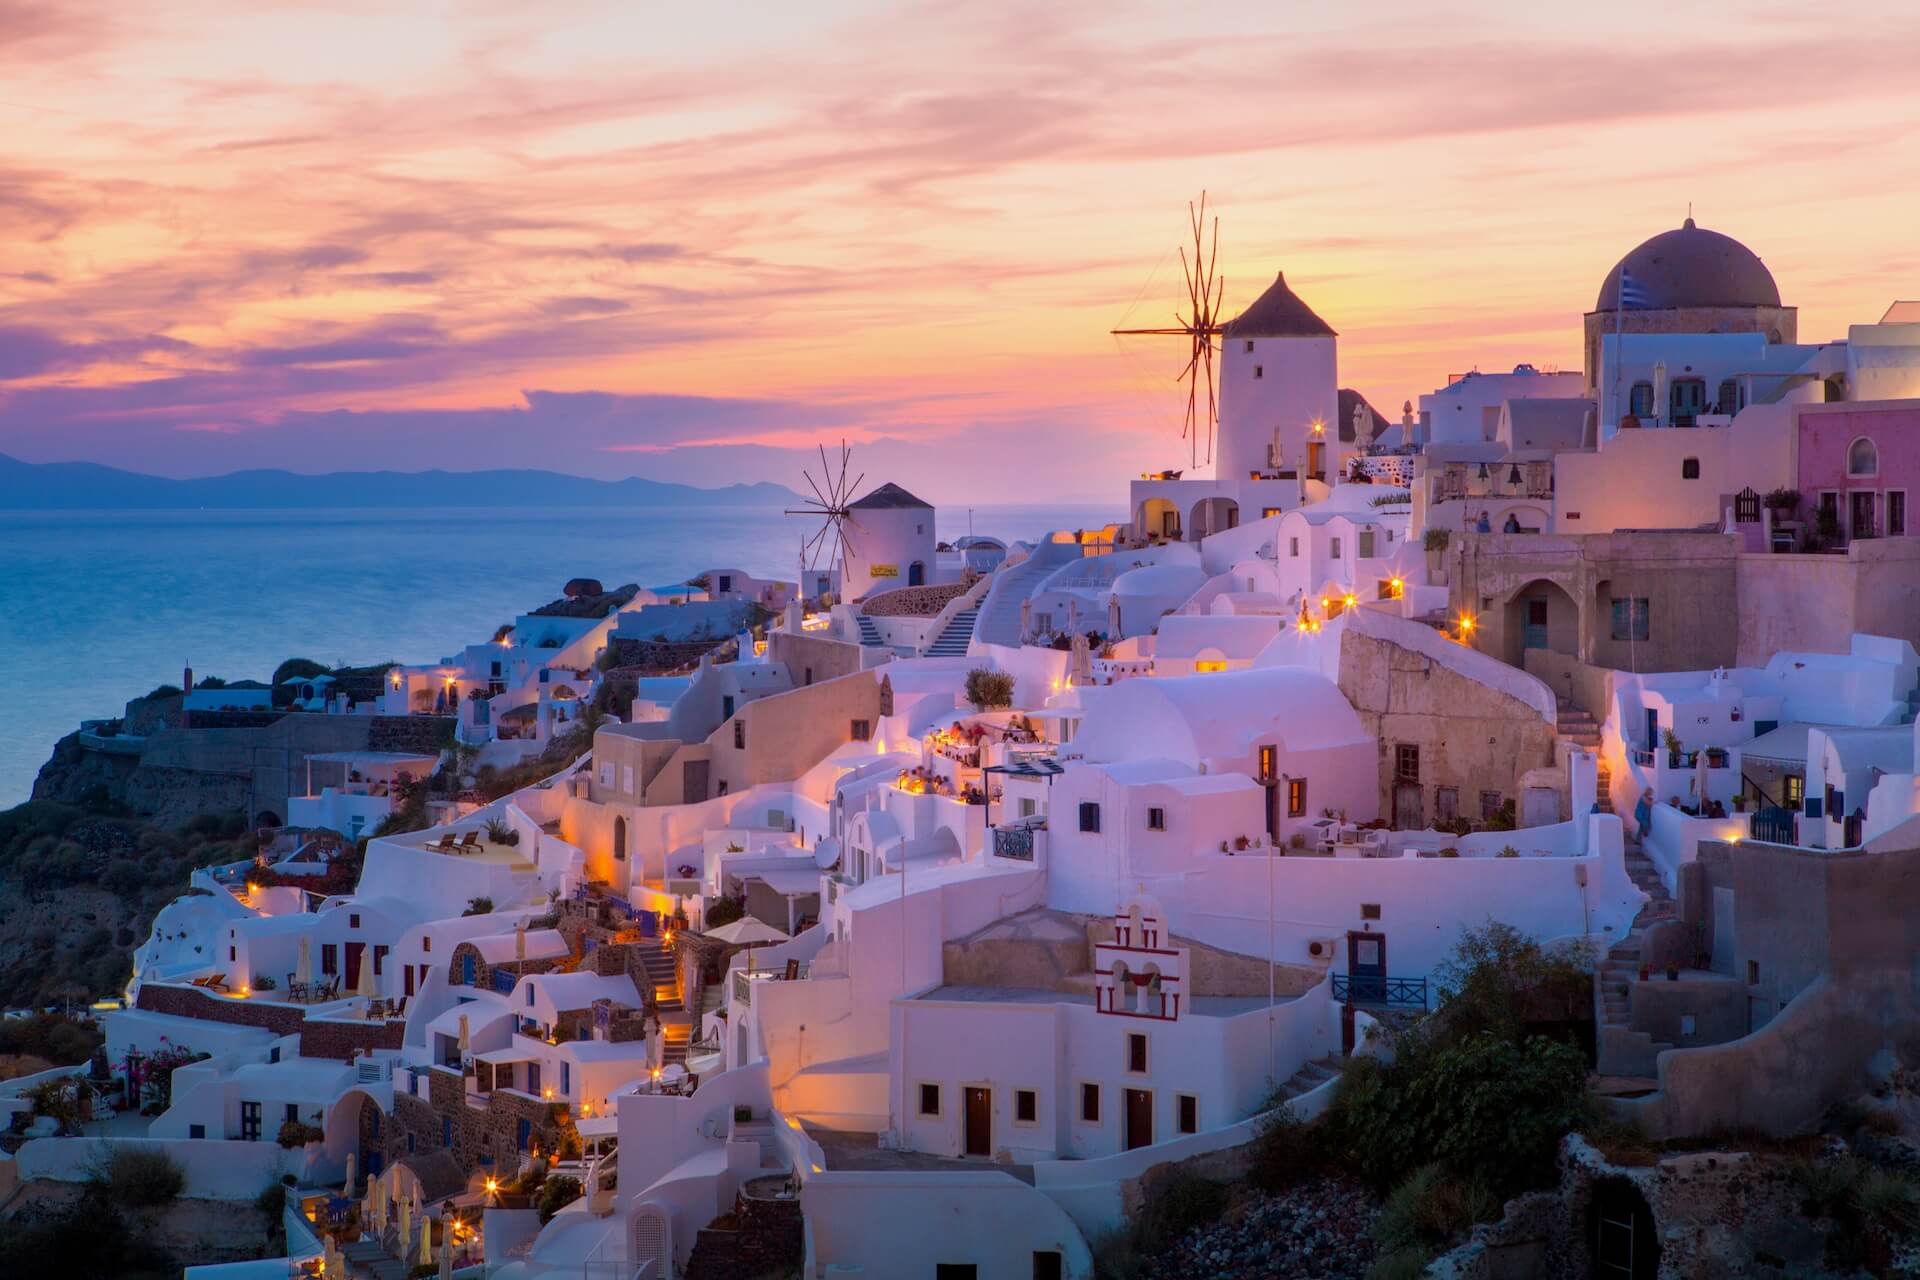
[831,504]
[1200,326]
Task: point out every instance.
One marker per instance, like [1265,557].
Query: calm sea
[99,607]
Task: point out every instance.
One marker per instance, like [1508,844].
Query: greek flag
[1631,294]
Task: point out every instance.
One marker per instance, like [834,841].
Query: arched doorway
[1211,516]
[1159,518]
[619,839]
[1622,1239]
[1541,615]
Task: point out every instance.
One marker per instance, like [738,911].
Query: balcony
[745,980]
[1013,842]
[1380,992]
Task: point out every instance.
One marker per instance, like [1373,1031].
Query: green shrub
[294,1133]
[556,1193]
[989,688]
[1436,539]
[136,1179]
[1179,1203]
[1431,1209]
[478,907]
[725,911]
[272,1201]
[1287,1151]
[1888,1199]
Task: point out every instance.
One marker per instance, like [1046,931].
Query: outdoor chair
[471,844]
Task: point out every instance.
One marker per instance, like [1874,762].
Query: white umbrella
[466,1041]
[426,1241]
[748,932]
[405,1231]
[520,941]
[446,1254]
[347,1190]
[303,968]
[363,985]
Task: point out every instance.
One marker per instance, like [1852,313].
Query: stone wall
[912,602]
[319,1038]
[418,734]
[826,658]
[1471,737]
[483,972]
[486,1134]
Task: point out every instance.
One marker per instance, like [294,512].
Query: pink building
[1860,460]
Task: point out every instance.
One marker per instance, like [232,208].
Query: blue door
[1653,729]
[523,1133]
[466,968]
[1534,632]
[1367,967]
[533,1078]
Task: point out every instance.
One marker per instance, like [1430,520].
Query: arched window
[1730,401]
[1689,468]
[1640,400]
[1863,458]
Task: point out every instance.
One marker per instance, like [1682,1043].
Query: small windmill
[1200,326]
[831,504]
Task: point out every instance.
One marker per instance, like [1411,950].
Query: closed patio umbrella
[466,1039]
[347,1190]
[303,968]
[405,1232]
[520,941]
[363,985]
[426,1241]
[446,1255]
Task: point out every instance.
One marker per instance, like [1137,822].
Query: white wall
[905,1224]
[215,1170]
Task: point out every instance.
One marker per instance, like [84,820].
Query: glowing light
[493,1185]
[547,1092]
[879,746]
[1319,427]
[1348,600]
[245,992]
[1395,587]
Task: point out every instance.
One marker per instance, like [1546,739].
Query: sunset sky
[688,241]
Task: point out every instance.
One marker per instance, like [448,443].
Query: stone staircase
[1622,1051]
[661,973]
[1310,1077]
[954,638]
[869,633]
[1579,731]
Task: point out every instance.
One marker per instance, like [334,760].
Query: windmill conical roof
[1278,313]
[888,495]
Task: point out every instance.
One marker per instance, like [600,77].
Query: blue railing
[1393,993]
[1773,825]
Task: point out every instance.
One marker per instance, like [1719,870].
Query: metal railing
[1013,842]
[1393,993]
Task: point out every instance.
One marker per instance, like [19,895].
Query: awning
[791,883]
[1786,745]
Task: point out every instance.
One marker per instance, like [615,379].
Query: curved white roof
[566,991]
[1161,580]
[1194,718]
[542,944]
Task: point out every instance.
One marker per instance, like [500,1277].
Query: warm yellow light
[493,1185]
[245,992]
[1348,600]
[547,1092]
[1466,622]
[656,1073]
[1319,427]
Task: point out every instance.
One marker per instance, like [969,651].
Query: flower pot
[1673,973]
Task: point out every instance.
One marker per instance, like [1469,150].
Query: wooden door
[356,951]
[1139,1118]
[1407,807]
[979,1121]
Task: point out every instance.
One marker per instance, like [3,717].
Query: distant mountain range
[82,485]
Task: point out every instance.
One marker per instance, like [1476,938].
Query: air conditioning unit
[1322,948]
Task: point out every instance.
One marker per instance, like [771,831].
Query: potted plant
[1239,843]
[1671,741]
[1716,757]
[1673,970]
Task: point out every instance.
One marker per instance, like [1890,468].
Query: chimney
[186,681]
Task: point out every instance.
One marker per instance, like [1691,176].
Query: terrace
[478,845]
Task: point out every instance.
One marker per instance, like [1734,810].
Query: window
[1269,763]
[1446,804]
[1296,797]
[1259,371]
[1267,513]
[1333,547]
[329,958]
[1836,803]
[293,1113]
[1136,1052]
[409,1144]
[426,944]
[233,954]
[1366,544]
[1406,762]
[1026,1106]
[1189,1113]
[626,778]
[1156,819]
[929,1099]
[1796,790]
[606,775]
[721,788]
[1732,397]
[726,582]
[1863,458]
[1896,513]
[1293,547]
[1640,400]
[955,1271]
[1249,347]
[273,1054]
[726,707]
[353,920]
[249,1122]
[1630,618]
[1689,468]
[1489,805]
[379,959]
[566,1078]
[529,995]
[1090,1103]
[809,678]
[1089,816]
[1028,806]
[860,730]
[1753,973]
[739,735]
[1369,911]
[196,1131]
[446,1131]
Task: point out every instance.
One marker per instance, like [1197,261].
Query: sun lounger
[471,844]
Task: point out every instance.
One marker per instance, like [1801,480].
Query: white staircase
[954,638]
[999,620]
